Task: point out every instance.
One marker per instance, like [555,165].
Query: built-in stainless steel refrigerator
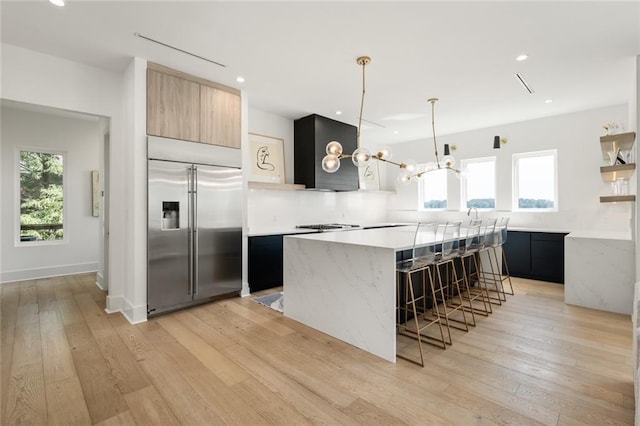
[195,229]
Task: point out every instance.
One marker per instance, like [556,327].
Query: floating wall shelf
[619,171]
[613,143]
[269,185]
[617,198]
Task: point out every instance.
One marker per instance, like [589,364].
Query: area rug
[274,301]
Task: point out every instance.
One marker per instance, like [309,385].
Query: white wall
[575,136]
[134,95]
[81,140]
[268,124]
[40,79]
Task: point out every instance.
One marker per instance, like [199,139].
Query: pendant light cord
[433,128]
[364,64]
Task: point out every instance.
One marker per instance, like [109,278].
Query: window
[41,195]
[535,185]
[479,183]
[433,190]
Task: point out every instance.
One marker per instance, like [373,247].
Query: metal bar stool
[471,268]
[450,301]
[410,302]
[504,222]
[490,275]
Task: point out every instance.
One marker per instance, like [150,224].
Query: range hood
[310,137]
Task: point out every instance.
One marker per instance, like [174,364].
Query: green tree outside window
[41,196]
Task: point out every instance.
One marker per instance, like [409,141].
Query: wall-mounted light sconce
[498,142]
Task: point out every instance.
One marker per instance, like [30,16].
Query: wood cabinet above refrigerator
[183,106]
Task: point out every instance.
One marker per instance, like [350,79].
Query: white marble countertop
[397,238]
[291,229]
[601,235]
[531,229]
[278,230]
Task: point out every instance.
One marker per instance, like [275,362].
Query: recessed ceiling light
[548,101]
[59,3]
[338,112]
[240,79]
[395,132]
[522,57]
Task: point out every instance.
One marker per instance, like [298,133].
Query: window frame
[463,181]
[65,199]
[515,180]
[421,197]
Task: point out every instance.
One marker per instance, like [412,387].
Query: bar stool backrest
[450,239]
[472,240]
[424,242]
[502,224]
[488,232]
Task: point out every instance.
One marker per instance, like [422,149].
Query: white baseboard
[133,314]
[100,282]
[114,304]
[245,290]
[47,272]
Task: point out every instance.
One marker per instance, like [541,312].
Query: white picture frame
[267,159]
[369,176]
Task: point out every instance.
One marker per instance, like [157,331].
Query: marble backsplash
[268,208]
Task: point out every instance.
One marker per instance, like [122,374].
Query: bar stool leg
[506,267]
[474,295]
[449,308]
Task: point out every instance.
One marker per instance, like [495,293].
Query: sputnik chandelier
[361,156]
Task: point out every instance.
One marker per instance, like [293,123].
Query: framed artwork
[95,193]
[369,177]
[267,158]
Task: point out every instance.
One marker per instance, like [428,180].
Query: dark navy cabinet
[536,255]
[265,262]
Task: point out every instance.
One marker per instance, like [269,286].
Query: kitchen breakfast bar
[343,284]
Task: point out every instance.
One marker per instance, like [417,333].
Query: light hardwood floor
[534,361]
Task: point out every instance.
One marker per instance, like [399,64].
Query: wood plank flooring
[535,360]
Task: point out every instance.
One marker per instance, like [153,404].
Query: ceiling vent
[524,83]
[178,49]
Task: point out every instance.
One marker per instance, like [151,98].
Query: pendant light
[361,156]
[447,163]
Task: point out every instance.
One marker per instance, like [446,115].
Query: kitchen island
[343,284]
[600,270]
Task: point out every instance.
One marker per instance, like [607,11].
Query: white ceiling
[300,57]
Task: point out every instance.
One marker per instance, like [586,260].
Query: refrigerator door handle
[195,230]
[190,227]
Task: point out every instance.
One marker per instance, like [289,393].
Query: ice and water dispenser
[170,215]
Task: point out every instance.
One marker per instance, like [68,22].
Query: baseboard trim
[100,282]
[114,304]
[47,272]
[133,314]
